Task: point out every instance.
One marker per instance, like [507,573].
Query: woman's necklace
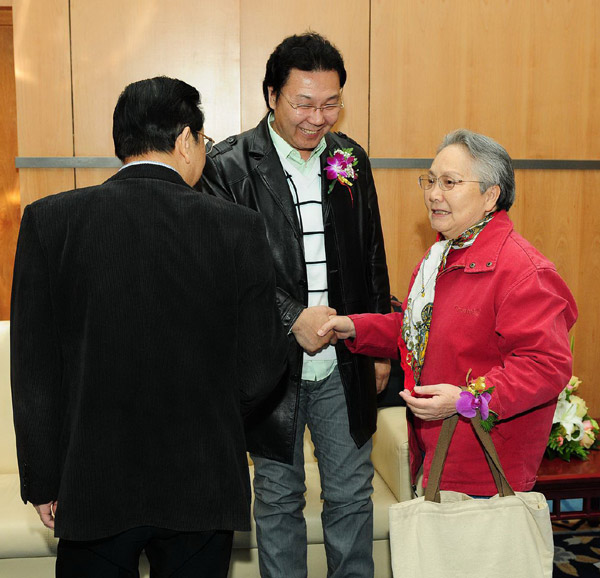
[423,283]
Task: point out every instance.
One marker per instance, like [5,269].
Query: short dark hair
[150,115]
[491,162]
[309,52]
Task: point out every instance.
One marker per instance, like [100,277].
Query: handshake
[319,326]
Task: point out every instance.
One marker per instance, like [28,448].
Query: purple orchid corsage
[340,169]
[477,396]
[468,404]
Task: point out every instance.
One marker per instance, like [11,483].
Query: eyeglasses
[209,142]
[306,109]
[445,183]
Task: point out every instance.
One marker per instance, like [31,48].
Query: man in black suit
[143,330]
[316,193]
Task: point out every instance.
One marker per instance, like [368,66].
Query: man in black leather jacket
[315,191]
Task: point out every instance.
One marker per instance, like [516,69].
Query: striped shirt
[304,181]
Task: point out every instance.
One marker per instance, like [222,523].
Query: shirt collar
[287,151]
[157,163]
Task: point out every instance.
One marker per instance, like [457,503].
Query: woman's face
[453,212]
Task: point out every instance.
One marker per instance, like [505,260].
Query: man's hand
[382,373]
[306,326]
[342,326]
[47,513]
[440,405]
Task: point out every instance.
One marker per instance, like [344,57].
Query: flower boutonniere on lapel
[340,168]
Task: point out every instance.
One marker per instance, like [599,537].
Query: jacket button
[489,264]
[472,265]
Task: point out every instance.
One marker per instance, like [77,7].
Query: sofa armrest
[390,454]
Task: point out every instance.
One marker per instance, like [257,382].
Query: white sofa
[28,549]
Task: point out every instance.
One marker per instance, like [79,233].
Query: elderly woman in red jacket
[483,303]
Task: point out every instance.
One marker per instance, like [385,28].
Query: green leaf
[490,422]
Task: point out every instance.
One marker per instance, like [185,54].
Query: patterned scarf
[419,307]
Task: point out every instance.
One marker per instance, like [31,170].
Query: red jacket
[501,310]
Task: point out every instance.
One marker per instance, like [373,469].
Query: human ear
[182,143]
[272,97]
[491,198]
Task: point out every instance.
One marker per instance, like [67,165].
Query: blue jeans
[346,486]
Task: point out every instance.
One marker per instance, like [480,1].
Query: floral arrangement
[341,169]
[574,432]
[477,396]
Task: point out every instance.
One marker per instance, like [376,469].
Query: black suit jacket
[246,169]
[143,326]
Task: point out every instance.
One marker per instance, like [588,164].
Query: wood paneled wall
[142,39]
[525,72]
[44,104]
[10,213]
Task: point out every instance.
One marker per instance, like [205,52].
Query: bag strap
[504,488]
[432,491]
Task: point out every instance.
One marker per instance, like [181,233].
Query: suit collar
[149,171]
[267,164]
[261,143]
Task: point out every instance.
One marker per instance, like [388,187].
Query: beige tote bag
[451,535]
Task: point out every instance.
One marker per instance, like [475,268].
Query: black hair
[150,114]
[309,52]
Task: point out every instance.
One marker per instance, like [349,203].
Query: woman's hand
[342,326]
[440,405]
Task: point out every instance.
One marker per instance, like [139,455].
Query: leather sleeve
[213,181]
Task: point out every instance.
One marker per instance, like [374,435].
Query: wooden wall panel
[265,23]
[563,223]
[141,39]
[525,72]
[10,212]
[405,224]
[548,213]
[43,86]
[587,334]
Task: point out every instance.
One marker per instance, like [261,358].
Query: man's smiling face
[303,129]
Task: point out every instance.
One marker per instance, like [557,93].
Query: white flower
[581,406]
[566,415]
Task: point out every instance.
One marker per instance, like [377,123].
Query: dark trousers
[171,554]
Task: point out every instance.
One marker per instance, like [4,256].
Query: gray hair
[492,163]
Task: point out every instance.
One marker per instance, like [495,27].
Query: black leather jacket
[246,169]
